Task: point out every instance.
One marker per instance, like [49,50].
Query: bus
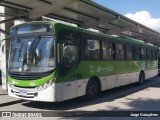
[54,62]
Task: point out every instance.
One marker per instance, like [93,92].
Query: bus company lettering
[97,69]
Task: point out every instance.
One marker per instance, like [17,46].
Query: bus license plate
[23,93]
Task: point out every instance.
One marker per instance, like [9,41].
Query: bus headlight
[10,85]
[45,85]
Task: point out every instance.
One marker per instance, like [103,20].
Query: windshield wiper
[34,44]
[30,53]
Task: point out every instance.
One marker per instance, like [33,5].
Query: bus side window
[151,54]
[155,55]
[70,53]
[92,49]
[119,52]
[107,50]
[69,49]
[148,54]
[137,53]
[143,53]
[129,53]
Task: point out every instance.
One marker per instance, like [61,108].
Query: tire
[92,90]
[141,79]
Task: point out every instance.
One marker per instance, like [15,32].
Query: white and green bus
[53,62]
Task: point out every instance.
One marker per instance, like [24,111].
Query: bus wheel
[92,90]
[141,78]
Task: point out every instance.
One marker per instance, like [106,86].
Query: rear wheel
[92,90]
[141,78]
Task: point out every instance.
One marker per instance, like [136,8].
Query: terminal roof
[86,14]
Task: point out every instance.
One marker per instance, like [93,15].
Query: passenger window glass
[119,52]
[92,50]
[148,54]
[129,53]
[137,53]
[107,51]
[155,54]
[143,53]
[69,53]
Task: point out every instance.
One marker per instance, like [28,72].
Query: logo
[6,114]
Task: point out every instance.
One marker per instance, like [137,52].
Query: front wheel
[92,90]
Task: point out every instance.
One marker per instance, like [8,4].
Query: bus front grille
[26,77]
[29,76]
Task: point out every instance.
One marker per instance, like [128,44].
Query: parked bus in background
[53,62]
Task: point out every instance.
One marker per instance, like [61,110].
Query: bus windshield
[32,54]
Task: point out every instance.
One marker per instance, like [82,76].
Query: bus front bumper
[32,94]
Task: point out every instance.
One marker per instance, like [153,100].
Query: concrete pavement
[2,92]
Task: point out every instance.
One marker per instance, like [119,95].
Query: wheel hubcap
[92,90]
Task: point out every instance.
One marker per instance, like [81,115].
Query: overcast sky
[145,12]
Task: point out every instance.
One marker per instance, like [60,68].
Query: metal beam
[14,4]
[14,18]
[6,14]
[81,13]
[46,2]
[49,8]
[4,32]
[92,23]
[120,30]
[58,17]
[13,8]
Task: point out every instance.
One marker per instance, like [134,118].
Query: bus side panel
[154,68]
[110,82]
[81,87]
[147,69]
[103,81]
[69,90]
[126,78]
[147,74]
[111,73]
[126,72]
[151,69]
[135,77]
